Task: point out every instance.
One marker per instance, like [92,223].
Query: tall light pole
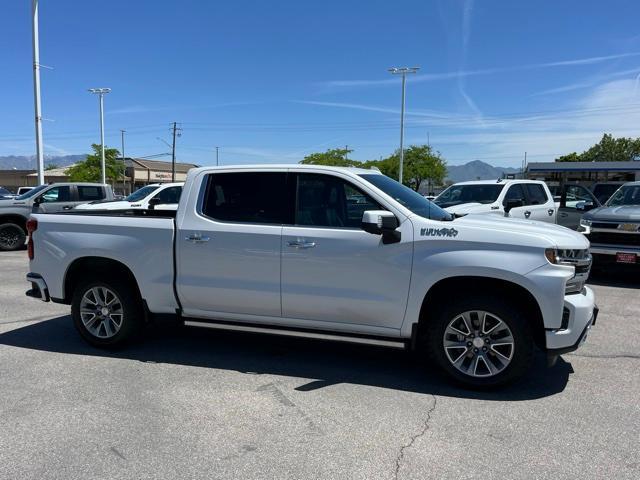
[101,92]
[124,165]
[217,162]
[402,71]
[36,92]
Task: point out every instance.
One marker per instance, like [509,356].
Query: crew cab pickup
[614,229]
[155,196]
[528,199]
[323,252]
[54,197]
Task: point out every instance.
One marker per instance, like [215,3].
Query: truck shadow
[323,363]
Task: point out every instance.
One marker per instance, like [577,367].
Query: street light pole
[101,92]
[402,71]
[36,93]
[217,163]
[124,167]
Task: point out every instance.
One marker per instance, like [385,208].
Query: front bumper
[581,311]
[39,287]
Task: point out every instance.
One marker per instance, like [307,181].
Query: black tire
[12,237]
[132,318]
[516,321]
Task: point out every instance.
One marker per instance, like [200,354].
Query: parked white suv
[162,196]
[323,252]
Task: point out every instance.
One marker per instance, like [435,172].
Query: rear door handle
[564,214]
[527,214]
[550,211]
[295,244]
[196,238]
[67,207]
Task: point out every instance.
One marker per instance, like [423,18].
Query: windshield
[141,193]
[476,193]
[407,197]
[626,195]
[4,191]
[31,192]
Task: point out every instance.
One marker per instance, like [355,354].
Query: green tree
[51,166]
[90,171]
[608,149]
[421,163]
[336,157]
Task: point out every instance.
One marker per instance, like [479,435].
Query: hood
[464,208]
[621,213]
[11,202]
[507,230]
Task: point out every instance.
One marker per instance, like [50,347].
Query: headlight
[580,260]
[585,223]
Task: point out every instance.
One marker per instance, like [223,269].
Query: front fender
[439,260]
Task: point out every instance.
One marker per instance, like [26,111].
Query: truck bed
[141,240]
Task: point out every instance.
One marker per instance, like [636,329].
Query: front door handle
[67,207]
[295,244]
[550,211]
[527,214]
[564,214]
[196,238]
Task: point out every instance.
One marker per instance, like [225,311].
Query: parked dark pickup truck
[614,229]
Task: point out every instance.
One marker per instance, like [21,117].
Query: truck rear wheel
[12,237]
[481,341]
[107,313]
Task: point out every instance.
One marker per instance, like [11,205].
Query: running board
[299,333]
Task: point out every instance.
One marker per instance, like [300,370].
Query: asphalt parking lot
[204,404]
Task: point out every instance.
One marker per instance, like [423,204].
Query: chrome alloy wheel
[478,343]
[101,312]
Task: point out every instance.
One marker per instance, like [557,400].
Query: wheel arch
[451,286]
[15,218]
[99,267]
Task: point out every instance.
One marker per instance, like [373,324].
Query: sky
[274,81]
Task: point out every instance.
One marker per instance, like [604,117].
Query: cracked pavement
[204,404]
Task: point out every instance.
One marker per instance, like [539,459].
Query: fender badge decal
[438,232]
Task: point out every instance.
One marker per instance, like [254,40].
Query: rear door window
[537,195]
[88,193]
[251,197]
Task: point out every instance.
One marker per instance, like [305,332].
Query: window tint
[252,197]
[328,201]
[537,195]
[90,193]
[515,192]
[169,195]
[57,194]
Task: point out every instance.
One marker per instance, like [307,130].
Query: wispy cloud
[593,81]
[430,77]
[56,150]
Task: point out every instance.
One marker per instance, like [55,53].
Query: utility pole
[101,92]
[217,162]
[36,92]
[346,152]
[524,164]
[124,167]
[176,131]
[402,71]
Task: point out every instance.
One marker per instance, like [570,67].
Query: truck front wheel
[106,313]
[481,341]
[12,236]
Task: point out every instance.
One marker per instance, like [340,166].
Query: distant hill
[28,162]
[476,170]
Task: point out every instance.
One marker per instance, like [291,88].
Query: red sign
[626,257]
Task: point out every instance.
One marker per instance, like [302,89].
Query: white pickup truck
[528,199]
[323,252]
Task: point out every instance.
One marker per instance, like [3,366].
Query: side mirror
[381,222]
[154,202]
[37,201]
[585,206]
[511,204]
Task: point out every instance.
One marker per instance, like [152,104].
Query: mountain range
[477,170]
[26,162]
